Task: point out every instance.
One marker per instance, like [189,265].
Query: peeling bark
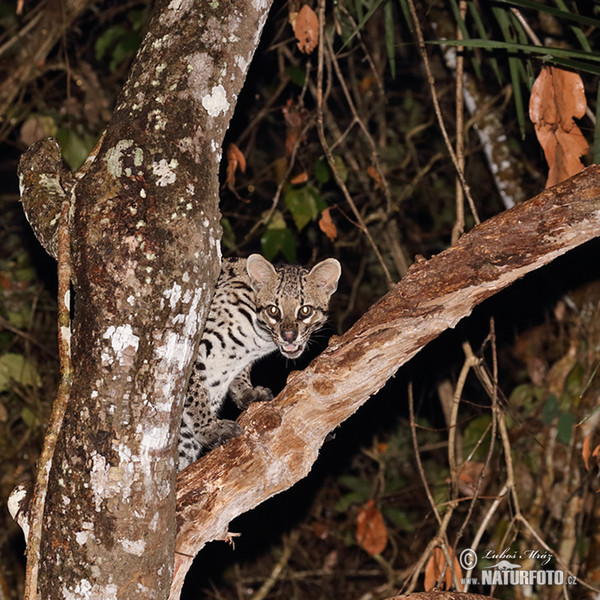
[146,255]
[281,439]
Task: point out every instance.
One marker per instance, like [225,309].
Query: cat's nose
[289,336]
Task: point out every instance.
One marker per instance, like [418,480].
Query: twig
[266,587]
[441,538]
[459,225]
[374,154]
[495,412]
[60,405]
[470,362]
[327,149]
[413,434]
[267,217]
[4,324]
[438,110]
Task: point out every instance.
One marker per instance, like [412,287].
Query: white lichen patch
[98,480]
[124,344]
[137,547]
[87,532]
[242,64]
[216,102]
[165,171]
[81,590]
[114,157]
[138,157]
[173,294]
[174,350]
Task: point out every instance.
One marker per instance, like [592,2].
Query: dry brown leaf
[320,529]
[371,532]
[382,447]
[327,226]
[299,179]
[557,97]
[235,159]
[468,478]
[373,173]
[306,29]
[294,121]
[586,451]
[435,568]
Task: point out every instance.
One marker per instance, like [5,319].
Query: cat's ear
[260,271]
[326,274]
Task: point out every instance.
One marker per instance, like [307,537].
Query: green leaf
[274,241]
[347,500]
[138,18]
[547,53]
[574,383]
[322,174]
[18,369]
[29,417]
[340,167]
[296,75]
[473,432]
[302,203]
[550,410]
[108,39]
[369,14]
[474,12]
[394,484]
[555,12]
[75,147]
[356,484]
[125,50]
[565,427]
[398,517]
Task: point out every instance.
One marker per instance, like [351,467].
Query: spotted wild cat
[257,308]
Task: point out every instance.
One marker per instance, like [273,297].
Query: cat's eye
[273,312]
[306,311]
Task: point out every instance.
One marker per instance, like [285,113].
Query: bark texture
[145,243]
[281,439]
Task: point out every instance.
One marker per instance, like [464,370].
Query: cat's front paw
[255,394]
[220,432]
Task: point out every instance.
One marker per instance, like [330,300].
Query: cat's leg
[243,393]
[200,429]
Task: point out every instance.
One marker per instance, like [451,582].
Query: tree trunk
[281,439]
[145,239]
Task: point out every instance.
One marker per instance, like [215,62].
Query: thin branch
[327,149]
[438,110]
[459,225]
[60,405]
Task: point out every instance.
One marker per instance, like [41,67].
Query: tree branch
[281,439]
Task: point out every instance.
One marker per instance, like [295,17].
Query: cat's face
[291,304]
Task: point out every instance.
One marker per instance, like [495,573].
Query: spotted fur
[256,309]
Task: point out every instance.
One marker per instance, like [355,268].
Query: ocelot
[257,308]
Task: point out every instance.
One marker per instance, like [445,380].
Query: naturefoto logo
[508,571]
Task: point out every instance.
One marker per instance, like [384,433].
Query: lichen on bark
[145,239]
